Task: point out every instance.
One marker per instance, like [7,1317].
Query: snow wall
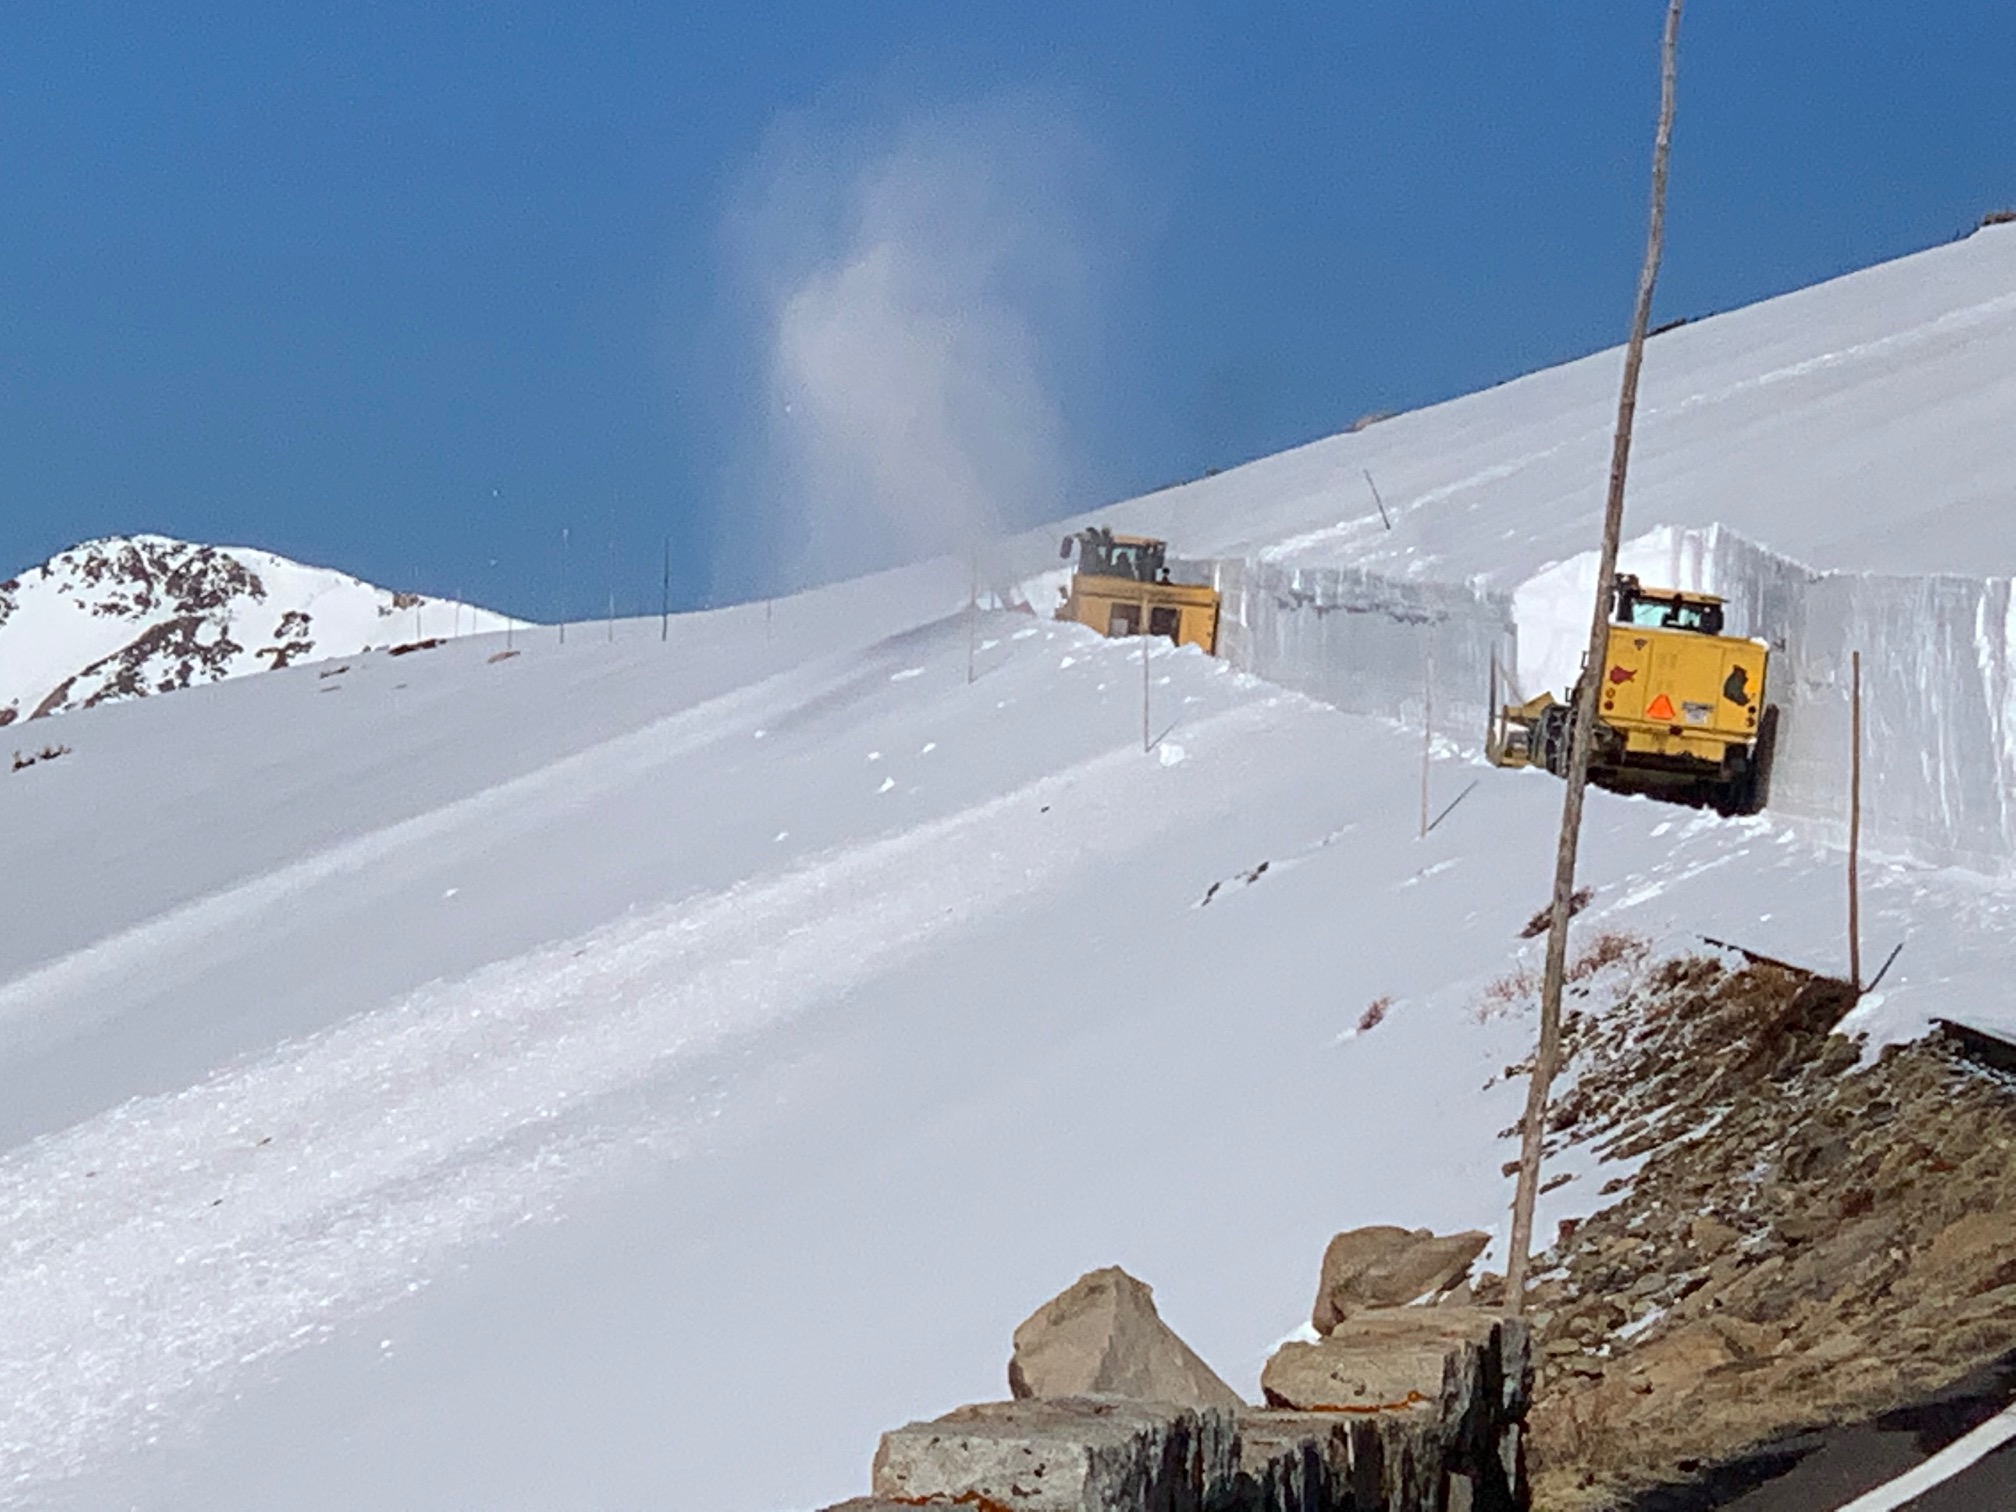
[1363,642]
[1938,670]
[1938,684]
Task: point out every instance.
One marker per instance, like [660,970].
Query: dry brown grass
[1520,986]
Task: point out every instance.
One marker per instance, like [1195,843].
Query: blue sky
[407,289]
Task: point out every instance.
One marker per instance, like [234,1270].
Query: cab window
[1665,614]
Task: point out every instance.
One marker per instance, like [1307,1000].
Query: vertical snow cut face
[125,617]
[1938,669]
[1938,683]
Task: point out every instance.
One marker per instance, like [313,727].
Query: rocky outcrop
[130,617]
[1385,1266]
[1102,1337]
[1102,1455]
[1810,1239]
[1456,1382]
[1429,1420]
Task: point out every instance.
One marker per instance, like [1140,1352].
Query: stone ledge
[1073,1454]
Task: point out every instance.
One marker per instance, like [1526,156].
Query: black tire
[1747,788]
[1762,755]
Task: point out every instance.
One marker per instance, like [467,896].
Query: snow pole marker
[1147,744]
[1383,518]
[1855,820]
[1427,738]
[1547,1053]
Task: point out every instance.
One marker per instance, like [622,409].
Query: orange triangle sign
[1660,708]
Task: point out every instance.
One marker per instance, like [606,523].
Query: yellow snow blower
[1122,588]
[1681,711]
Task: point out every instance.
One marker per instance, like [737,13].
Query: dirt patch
[1808,1241]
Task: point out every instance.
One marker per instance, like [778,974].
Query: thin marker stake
[1383,519]
[1145,742]
[1855,822]
[1427,739]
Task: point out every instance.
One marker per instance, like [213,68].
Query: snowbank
[1364,642]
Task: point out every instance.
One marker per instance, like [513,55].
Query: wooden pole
[1855,822]
[1145,743]
[1491,710]
[1427,738]
[665,595]
[1383,518]
[973,614]
[1547,1056]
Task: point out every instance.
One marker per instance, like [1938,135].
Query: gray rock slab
[1063,1455]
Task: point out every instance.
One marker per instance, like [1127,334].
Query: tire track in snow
[29,1003]
[157,1249]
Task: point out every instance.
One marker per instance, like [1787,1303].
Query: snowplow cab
[1122,587]
[1681,707]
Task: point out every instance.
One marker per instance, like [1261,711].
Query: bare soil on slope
[1809,1240]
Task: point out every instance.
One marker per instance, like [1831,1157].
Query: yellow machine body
[1122,588]
[1680,710]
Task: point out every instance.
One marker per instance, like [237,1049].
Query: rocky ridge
[125,617]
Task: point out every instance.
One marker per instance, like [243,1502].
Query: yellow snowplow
[1122,587]
[1681,711]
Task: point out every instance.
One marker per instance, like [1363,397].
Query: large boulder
[1103,1338]
[1386,1266]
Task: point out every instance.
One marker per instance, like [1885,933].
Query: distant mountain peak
[127,616]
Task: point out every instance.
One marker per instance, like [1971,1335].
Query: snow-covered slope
[1840,463]
[131,615]
[635,1073]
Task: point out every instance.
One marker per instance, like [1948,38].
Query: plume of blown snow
[917,298]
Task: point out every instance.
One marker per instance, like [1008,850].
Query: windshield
[1666,614]
[1126,559]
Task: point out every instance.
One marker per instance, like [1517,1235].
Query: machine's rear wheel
[1762,756]
[1749,789]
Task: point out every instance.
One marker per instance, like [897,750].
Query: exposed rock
[1810,1238]
[1973,1254]
[1385,1266]
[1067,1455]
[1454,1442]
[129,617]
[1435,1392]
[1102,1337]
[1387,1359]
[1103,1455]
